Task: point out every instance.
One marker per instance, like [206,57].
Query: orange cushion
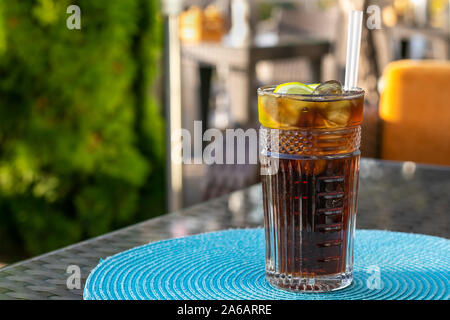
[415,109]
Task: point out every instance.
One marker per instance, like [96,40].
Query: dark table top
[397,196]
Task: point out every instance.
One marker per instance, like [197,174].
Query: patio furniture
[414,108]
[239,66]
[197,61]
[397,196]
[438,41]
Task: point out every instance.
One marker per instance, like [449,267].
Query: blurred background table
[397,196]
[239,63]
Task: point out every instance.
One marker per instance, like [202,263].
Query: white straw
[353,47]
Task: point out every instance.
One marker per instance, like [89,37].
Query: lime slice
[293,88]
[313,85]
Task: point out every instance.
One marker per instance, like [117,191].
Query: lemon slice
[268,111]
[293,88]
[267,121]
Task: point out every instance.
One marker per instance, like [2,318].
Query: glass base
[316,284]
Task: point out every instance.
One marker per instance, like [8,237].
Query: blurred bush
[81,136]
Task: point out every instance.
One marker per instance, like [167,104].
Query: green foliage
[81,135]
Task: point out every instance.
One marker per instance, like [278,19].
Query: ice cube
[337,113]
[291,111]
[332,87]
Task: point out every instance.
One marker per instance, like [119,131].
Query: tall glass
[310,157]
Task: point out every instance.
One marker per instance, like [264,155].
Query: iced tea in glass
[310,150]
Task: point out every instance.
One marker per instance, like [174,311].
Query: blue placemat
[230,265]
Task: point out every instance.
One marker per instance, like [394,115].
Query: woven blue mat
[230,265]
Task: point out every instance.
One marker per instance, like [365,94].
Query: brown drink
[310,149]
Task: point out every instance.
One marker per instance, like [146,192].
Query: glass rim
[349,95]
